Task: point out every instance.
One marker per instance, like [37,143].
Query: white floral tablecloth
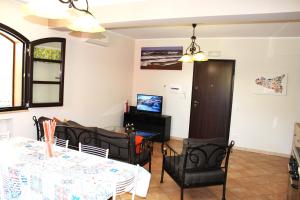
[26,174]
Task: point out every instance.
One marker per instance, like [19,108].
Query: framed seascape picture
[275,84]
[163,58]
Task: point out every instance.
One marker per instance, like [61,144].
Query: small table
[120,129]
[147,135]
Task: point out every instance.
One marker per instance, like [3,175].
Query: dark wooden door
[211,99]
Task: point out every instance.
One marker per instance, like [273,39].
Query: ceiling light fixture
[195,54]
[79,17]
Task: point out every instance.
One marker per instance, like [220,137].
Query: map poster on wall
[165,58]
[271,84]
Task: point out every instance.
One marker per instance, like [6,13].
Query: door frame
[231,93]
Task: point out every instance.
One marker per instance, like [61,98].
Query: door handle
[195,102]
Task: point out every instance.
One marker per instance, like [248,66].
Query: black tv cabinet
[154,123]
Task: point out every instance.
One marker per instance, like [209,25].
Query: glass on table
[49,146]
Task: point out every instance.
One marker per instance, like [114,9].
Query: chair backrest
[93,150]
[208,156]
[127,185]
[62,143]
[4,135]
[38,123]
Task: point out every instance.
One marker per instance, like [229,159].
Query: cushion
[138,142]
[206,177]
[209,157]
[56,119]
[192,142]
[72,123]
[117,143]
[75,133]
[41,119]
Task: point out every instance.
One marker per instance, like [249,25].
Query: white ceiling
[147,19]
[286,29]
[254,25]
[142,20]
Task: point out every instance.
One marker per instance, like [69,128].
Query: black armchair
[200,163]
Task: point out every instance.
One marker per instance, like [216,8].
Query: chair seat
[204,178]
[200,164]
[195,178]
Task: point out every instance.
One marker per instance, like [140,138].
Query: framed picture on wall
[271,84]
[162,58]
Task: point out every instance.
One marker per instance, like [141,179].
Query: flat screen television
[149,103]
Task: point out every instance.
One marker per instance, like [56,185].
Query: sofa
[122,147]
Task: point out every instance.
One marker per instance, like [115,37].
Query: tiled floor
[252,176]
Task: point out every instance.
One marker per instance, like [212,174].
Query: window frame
[25,62]
[33,44]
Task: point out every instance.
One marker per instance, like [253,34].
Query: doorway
[211,99]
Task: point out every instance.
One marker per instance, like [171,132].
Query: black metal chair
[201,163]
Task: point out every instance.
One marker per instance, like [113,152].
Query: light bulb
[86,23]
[186,58]
[200,56]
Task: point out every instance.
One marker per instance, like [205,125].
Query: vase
[49,149]
[49,152]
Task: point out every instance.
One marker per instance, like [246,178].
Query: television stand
[154,123]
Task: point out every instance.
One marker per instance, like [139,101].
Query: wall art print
[163,58]
[271,84]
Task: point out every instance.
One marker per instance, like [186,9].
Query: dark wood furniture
[121,147]
[47,72]
[199,164]
[155,123]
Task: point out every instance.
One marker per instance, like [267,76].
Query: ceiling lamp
[79,17]
[195,54]
[84,21]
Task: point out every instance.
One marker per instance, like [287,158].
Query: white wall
[97,79]
[261,122]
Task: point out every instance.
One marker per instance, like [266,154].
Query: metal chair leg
[224,191]
[181,193]
[162,175]
[150,160]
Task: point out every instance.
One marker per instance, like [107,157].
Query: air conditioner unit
[103,41]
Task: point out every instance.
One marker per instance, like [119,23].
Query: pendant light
[193,52]
[85,20]
[79,17]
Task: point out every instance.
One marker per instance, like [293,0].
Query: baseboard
[247,149]
[176,138]
[262,152]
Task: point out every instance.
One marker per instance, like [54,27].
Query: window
[30,77]
[7,51]
[12,66]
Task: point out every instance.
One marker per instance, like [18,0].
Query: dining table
[26,172]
